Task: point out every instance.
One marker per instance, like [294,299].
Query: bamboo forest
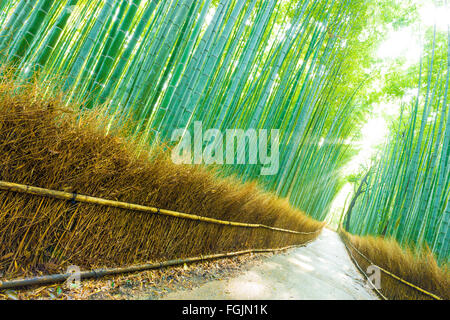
[175,149]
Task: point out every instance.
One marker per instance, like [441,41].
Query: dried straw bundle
[44,144]
[419,269]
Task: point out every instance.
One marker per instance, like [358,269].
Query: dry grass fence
[419,269]
[47,145]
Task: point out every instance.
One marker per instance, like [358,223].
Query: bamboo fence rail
[97,273]
[21,188]
[432,295]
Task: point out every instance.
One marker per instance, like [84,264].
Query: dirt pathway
[321,270]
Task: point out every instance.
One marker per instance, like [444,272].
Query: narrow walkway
[320,271]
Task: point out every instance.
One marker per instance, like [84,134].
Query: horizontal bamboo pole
[21,188]
[98,273]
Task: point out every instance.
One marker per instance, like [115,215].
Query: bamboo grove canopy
[260,64]
[408,188]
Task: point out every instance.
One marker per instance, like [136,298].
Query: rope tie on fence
[73,200]
[95,274]
[393,275]
[21,188]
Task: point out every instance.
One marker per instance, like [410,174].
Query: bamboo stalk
[158,64]
[14,187]
[98,273]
